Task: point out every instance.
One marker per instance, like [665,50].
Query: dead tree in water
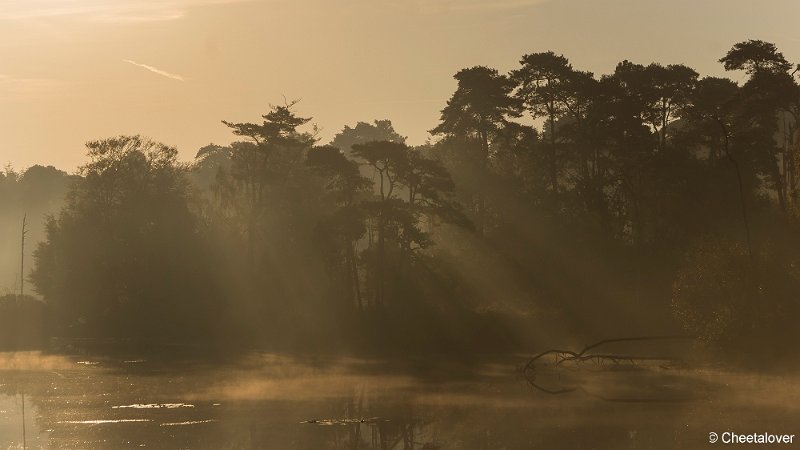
[22,262]
[21,307]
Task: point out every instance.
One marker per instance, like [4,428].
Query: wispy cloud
[496,4]
[28,88]
[102,10]
[445,6]
[156,70]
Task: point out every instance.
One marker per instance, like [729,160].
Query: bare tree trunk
[381,261]
[742,201]
[553,155]
[22,261]
[353,270]
[484,142]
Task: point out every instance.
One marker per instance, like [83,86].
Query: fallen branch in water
[568,355]
[563,356]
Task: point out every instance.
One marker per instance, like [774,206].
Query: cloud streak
[449,6]
[134,11]
[467,5]
[102,10]
[28,88]
[156,70]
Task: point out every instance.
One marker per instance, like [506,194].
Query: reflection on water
[98,422]
[188,422]
[11,422]
[269,401]
[154,405]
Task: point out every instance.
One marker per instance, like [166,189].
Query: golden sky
[75,70]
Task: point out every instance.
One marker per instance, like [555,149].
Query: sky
[77,70]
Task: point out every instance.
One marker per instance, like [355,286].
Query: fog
[269,400]
[564,244]
[36,192]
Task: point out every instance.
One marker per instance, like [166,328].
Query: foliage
[121,258]
[600,199]
[741,306]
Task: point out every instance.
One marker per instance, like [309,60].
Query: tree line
[548,199]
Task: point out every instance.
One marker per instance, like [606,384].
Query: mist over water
[274,401]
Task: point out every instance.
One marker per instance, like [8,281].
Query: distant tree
[43,184]
[210,158]
[363,132]
[34,192]
[124,257]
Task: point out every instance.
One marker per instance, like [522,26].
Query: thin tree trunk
[22,261]
[553,155]
[742,202]
[381,255]
[353,270]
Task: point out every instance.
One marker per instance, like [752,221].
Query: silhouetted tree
[543,81]
[363,132]
[266,160]
[603,198]
[124,257]
[479,108]
[755,56]
[772,97]
[346,223]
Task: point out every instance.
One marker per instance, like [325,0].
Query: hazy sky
[74,70]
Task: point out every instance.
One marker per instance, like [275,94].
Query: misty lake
[280,402]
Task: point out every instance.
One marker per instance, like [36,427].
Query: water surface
[279,402]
